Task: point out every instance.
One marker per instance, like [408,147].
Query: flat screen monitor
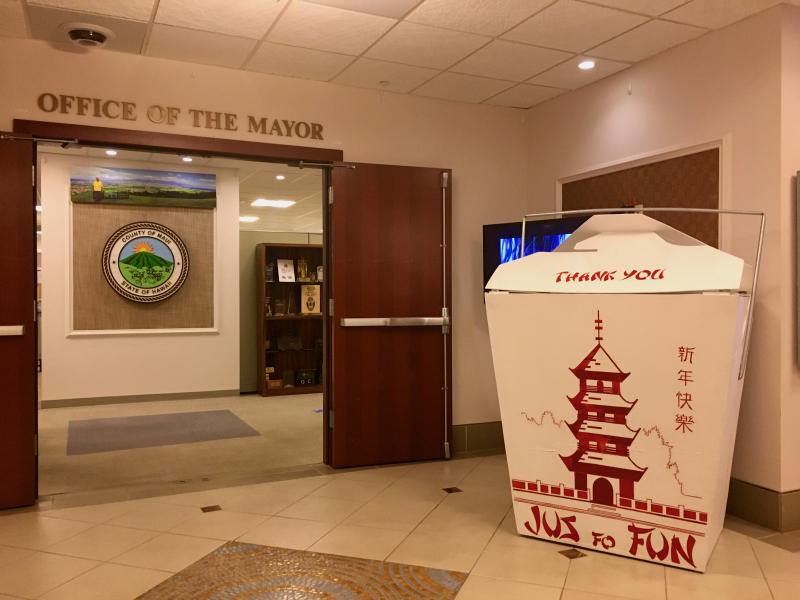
[501,241]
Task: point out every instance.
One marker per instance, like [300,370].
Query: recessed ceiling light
[586,65]
[186,158]
[111,152]
[262,202]
[248,219]
[38,208]
[280,177]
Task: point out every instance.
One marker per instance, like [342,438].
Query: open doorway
[152,400]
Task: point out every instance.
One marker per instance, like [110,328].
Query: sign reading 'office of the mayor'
[145,262]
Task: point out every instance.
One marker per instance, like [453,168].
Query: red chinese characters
[685,422]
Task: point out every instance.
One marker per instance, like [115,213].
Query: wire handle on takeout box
[642,209]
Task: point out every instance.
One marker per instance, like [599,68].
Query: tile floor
[119,550]
[291,435]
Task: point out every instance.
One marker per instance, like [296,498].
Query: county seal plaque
[145,262]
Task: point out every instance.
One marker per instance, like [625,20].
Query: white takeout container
[617,360]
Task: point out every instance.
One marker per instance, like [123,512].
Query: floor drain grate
[211,508]
[572,553]
[452,490]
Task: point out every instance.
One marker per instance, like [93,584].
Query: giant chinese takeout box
[617,359]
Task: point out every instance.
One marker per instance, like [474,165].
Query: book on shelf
[309,300]
[285,269]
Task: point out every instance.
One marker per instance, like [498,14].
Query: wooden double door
[390,348]
[18,398]
[388,325]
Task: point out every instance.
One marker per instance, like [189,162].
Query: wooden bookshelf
[291,342]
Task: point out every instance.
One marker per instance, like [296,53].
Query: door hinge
[33,175]
[330,194]
[36,444]
[330,307]
[330,419]
[35,310]
[445,179]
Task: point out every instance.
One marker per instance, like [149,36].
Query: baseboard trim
[477,438]
[71,402]
[765,507]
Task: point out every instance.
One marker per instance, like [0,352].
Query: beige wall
[485,146]
[99,365]
[790,164]
[248,240]
[722,87]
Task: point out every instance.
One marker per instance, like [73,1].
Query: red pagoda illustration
[601,429]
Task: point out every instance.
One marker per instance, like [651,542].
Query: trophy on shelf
[319,272]
[291,307]
[302,269]
[268,306]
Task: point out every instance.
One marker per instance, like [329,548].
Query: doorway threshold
[178,486]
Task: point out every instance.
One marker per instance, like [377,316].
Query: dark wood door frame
[186,144]
[18,397]
[178,144]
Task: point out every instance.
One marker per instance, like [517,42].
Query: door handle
[394,322]
[10,330]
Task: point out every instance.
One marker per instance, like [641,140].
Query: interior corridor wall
[723,87]
[486,147]
[790,164]
[102,365]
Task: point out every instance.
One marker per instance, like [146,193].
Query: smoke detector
[87,35]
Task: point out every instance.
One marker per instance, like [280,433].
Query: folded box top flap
[624,253]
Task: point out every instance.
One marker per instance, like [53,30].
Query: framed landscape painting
[142,187]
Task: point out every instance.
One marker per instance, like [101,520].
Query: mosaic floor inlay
[248,572]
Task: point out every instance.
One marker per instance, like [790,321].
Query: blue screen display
[509,247]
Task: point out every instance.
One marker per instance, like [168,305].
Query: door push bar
[11,330]
[443,322]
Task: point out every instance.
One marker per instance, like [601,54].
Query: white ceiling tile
[203,47]
[297,62]
[568,76]
[717,13]
[647,40]
[243,18]
[510,60]
[395,9]
[381,75]
[574,26]
[138,10]
[12,19]
[487,17]
[425,46]
[47,24]
[326,28]
[525,96]
[645,7]
[466,88]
